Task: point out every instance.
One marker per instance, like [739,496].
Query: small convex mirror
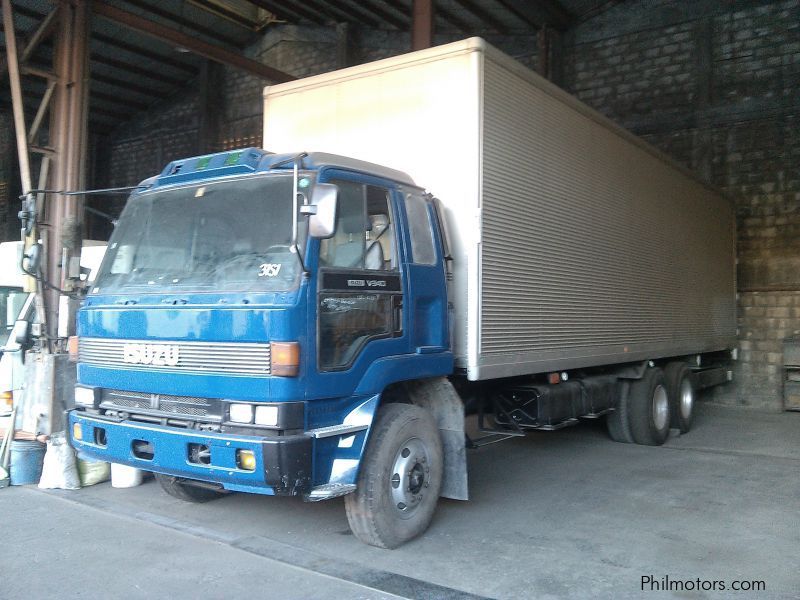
[21,333]
[31,260]
[322,221]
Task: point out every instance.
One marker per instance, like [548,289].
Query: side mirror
[21,333]
[32,259]
[324,202]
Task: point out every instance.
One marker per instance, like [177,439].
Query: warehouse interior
[713,85]
[111,91]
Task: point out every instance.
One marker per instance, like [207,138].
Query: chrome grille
[162,404]
[213,357]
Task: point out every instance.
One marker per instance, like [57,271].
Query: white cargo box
[576,244]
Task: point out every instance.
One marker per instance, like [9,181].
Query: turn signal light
[285,359]
[6,400]
[77,431]
[72,348]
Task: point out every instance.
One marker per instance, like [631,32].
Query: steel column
[422,24]
[68,130]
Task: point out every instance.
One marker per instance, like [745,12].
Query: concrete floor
[567,514]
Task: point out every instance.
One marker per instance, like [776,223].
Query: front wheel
[175,487]
[400,478]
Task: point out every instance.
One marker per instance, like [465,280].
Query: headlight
[267,415]
[241,413]
[84,396]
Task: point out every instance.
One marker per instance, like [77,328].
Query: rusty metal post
[69,120]
[422,24]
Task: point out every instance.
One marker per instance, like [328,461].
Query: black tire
[681,395]
[617,421]
[186,492]
[400,478]
[649,408]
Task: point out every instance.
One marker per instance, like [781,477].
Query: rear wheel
[649,408]
[681,394]
[176,488]
[400,478]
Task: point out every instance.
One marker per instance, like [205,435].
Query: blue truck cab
[251,316]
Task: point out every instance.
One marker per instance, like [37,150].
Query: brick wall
[718,88]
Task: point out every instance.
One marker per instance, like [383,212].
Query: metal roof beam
[111,41]
[401,21]
[218,10]
[338,13]
[142,72]
[280,9]
[173,36]
[133,49]
[538,13]
[5,103]
[39,87]
[483,14]
[453,19]
[45,28]
[182,22]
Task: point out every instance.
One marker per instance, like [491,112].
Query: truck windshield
[230,235]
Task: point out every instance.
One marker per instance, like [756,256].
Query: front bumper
[283,464]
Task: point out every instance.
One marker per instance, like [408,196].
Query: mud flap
[440,397]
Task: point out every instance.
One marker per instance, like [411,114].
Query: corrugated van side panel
[593,249]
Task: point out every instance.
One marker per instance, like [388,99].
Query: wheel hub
[660,407]
[409,478]
[687,399]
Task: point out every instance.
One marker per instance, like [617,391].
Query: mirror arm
[295,218]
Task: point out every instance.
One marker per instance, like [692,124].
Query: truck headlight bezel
[239,412]
[86,396]
[267,415]
[289,415]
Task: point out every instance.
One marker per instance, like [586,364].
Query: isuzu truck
[439,229]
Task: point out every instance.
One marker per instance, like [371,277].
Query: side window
[421,230]
[346,248]
[365,237]
[349,317]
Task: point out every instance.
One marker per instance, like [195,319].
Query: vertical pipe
[16,97]
[69,137]
[422,24]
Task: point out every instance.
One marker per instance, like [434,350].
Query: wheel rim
[660,407]
[410,477]
[687,399]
